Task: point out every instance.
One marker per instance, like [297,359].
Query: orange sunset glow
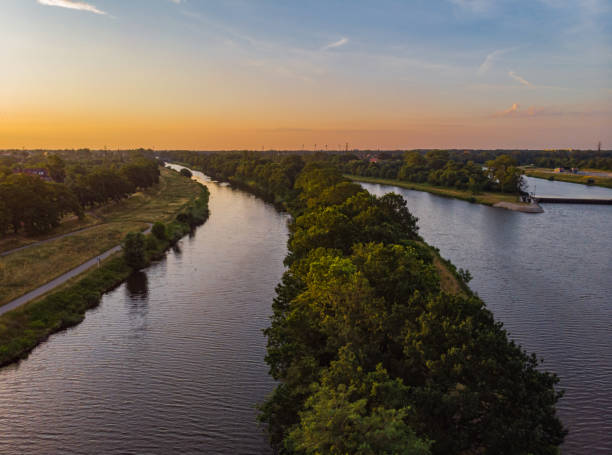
[171,74]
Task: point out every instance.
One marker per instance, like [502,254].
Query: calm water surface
[171,362]
[548,278]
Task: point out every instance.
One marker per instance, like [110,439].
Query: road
[61,279]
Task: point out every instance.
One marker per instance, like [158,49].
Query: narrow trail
[62,278]
[40,242]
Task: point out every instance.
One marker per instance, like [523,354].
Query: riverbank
[27,269]
[549,174]
[22,329]
[487,198]
[534,207]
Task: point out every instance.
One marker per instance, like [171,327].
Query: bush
[159,231]
[134,250]
[151,243]
[185,172]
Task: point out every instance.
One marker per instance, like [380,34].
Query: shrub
[185,172]
[151,243]
[159,231]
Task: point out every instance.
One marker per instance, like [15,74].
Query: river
[548,278]
[171,361]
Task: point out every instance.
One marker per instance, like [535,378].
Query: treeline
[438,167]
[23,329]
[371,355]
[270,178]
[586,159]
[29,203]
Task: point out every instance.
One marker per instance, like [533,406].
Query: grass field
[27,269]
[571,178]
[70,224]
[487,198]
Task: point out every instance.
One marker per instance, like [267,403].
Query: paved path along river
[62,278]
[171,361]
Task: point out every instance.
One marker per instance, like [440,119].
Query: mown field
[571,178]
[27,269]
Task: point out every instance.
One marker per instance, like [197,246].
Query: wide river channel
[172,360]
[548,278]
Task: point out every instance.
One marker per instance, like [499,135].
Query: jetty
[571,200]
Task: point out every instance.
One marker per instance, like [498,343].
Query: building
[36,171]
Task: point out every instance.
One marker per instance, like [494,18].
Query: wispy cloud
[511,111]
[71,4]
[518,78]
[341,42]
[491,58]
[176,1]
[554,111]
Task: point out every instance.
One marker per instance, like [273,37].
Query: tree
[56,167]
[505,172]
[185,172]
[159,231]
[134,250]
[354,412]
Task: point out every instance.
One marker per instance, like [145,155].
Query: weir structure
[571,200]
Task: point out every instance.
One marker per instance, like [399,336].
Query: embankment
[22,329]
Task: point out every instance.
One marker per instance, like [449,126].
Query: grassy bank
[570,178]
[27,269]
[487,198]
[24,328]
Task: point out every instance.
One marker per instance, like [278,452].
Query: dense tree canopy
[371,355]
[31,204]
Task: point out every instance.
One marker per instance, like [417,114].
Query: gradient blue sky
[246,74]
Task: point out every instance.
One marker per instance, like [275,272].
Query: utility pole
[599,146]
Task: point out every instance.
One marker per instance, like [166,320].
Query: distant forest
[38,189]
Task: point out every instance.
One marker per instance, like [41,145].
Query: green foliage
[24,328]
[134,250]
[351,411]
[56,167]
[36,206]
[159,230]
[185,172]
[33,204]
[371,355]
[504,171]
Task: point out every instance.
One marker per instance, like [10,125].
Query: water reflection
[137,286]
[171,361]
[137,302]
[547,278]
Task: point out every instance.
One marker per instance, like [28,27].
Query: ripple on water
[547,278]
[171,361]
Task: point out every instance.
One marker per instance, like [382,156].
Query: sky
[248,74]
